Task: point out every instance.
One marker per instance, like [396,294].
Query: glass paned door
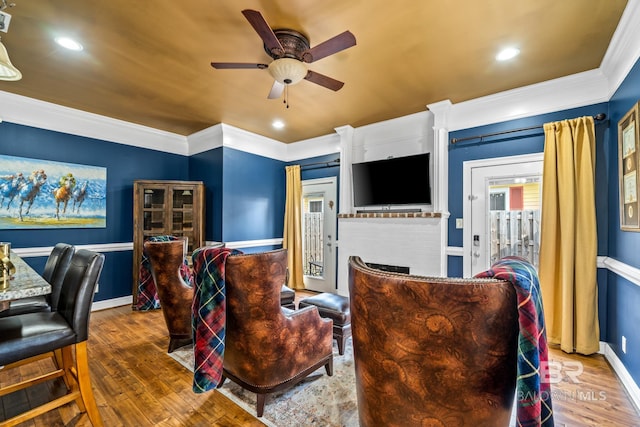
[313,232]
[504,206]
[319,234]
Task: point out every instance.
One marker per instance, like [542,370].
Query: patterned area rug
[319,400]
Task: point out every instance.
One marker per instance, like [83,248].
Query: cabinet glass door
[153,211]
[182,215]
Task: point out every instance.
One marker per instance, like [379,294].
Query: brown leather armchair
[267,347]
[176,296]
[432,351]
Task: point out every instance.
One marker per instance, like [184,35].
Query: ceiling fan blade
[276,90]
[322,80]
[329,47]
[265,32]
[235,65]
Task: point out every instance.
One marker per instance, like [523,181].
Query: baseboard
[621,371]
[112,303]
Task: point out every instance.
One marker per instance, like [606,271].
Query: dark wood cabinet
[166,208]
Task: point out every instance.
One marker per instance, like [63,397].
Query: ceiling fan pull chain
[286,95]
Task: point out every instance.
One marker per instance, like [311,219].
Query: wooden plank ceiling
[148,62]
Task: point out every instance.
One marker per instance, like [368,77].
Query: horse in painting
[79,194]
[63,193]
[30,189]
[10,188]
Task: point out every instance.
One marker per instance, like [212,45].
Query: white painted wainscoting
[406,240]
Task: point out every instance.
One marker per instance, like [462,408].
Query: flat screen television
[394,181]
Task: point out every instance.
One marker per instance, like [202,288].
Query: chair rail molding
[46,250]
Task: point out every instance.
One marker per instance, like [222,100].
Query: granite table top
[26,282]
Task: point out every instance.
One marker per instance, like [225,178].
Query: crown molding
[624,49]
[253,143]
[46,115]
[314,147]
[205,140]
[589,87]
[576,90]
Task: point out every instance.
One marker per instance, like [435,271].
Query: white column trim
[346,157]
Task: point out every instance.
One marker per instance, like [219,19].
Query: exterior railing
[313,245]
[515,233]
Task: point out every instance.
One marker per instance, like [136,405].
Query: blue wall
[623,296]
[124,164]
[253,189]
[245,194]
[528,142]
[207,167]
[619,298]
[514,144]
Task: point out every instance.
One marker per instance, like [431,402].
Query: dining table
[24,283]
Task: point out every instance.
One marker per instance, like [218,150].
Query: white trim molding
[577,90]
[455,251]
[45,115]
[632,274]
[314,147]
[111,303]
[253,243]
[624,48]
[46,250]
[588,87]
[625,377]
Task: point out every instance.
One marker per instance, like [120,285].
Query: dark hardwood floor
[137,384]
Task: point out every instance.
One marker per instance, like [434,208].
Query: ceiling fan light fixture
[7,71]
[288,71]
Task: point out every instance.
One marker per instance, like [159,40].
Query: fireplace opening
[389,268]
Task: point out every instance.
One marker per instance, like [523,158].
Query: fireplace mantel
[391,214]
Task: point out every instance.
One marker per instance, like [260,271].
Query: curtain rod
[600,116]
[322,165]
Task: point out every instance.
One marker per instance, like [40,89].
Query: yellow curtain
[293,226]
[568,241]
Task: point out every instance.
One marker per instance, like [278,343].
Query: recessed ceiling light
[278,124]
[508,53]
[68,43]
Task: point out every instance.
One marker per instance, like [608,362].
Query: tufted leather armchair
[166,259]
[268,347]
[432,351]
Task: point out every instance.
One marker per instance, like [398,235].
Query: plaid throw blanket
[208,316]
[533,387]
[147,291]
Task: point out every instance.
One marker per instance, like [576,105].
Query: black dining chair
[54,271]
[29,337]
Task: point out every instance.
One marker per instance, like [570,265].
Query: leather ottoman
[336,308]
[287,297]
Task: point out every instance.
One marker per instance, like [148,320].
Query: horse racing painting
[47,194]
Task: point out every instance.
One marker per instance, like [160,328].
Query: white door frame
[466,194]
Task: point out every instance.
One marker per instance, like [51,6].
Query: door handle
[476,254]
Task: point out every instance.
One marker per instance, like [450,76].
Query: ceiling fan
[291,52]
